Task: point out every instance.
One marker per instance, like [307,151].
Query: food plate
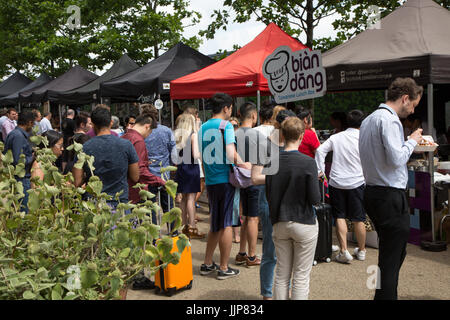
[427,145]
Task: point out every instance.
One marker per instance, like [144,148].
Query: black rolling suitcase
[325,220]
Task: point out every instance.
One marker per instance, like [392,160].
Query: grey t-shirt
[256,148]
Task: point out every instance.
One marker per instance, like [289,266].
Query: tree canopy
[40,36]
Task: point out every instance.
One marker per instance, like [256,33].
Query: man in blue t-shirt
[18,142]
[115,159]
[220,192]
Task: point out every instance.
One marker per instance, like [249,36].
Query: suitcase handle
[322,182]
[160,214]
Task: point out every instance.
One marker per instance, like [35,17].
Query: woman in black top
[291,194]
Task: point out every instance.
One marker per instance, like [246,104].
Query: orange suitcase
[175,277]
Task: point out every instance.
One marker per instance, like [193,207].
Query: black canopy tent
[413,41]
[155,77]
[89,93]
[14,83]
[74,78]
[13,99]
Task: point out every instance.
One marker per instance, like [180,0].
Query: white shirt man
[346,171]
[346,184]
[45,124]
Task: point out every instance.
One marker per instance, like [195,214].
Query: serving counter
[426,194]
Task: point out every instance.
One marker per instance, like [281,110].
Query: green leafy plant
[67,247]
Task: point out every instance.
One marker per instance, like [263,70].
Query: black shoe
[205,270]
[143,284]
[230,273]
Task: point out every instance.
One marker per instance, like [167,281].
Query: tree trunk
[156,49]
[310,23]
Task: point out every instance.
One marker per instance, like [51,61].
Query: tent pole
[204,112]
[430,109]
[60,118]
[159,111]
[430,105]
[171,113]
[258,99]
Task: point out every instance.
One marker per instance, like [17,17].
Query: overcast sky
[239,33]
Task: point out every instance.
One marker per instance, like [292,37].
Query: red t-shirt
[309,143]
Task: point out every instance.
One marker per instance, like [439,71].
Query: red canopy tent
[240,74]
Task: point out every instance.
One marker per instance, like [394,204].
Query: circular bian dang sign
[294,76]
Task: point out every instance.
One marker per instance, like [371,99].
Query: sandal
[185,230]
[195,234]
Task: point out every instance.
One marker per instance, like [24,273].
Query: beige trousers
[295,245]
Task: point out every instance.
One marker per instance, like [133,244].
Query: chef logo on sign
[294,76]
[277,68]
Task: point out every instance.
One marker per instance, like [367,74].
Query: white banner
[294,76]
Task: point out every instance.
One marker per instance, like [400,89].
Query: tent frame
[430,106]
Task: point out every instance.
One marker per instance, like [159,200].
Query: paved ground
[424,275]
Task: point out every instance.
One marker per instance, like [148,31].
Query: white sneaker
[360,255]
[344,257]
[334,248]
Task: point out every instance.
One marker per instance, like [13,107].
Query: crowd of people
[286,164]
[368,177]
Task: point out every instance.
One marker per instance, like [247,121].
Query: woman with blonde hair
[276,110]
[188,172]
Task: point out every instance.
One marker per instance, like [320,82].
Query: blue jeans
[269,259]
[26,186]
[236,205]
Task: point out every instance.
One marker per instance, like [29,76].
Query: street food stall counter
[428,181]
